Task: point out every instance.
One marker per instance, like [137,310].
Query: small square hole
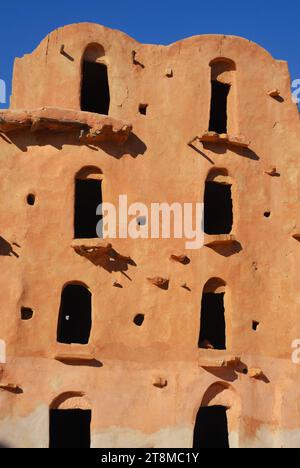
[139,320]
[31,199]
[26,313]
[143,108]
[255,325]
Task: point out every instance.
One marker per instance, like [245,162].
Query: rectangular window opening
[88,196]
[218,110]
[75,315]
[213,327]
[95,94]
[218,208]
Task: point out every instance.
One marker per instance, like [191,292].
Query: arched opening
[75,315]
[70,422]
[217,419]
[212,323]
[218,204]
[95,94]
[222,76]
[88,196]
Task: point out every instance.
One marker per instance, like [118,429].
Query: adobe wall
[155,165]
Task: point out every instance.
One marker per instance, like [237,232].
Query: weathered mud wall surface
[145,384]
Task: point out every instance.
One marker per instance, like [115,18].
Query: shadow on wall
[6,249]
[74,362]
[114,263]
[228,374]
[227,250]
[218,148]
[222,149]
[134,146]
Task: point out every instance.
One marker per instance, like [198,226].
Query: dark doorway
[218,109]
[95,96]
[211,429]
[70,429]
[88,196]
[213,327]
[75,315]
[218,208]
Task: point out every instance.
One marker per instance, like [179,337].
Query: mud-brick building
[140,342]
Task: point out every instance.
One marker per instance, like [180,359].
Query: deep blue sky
[273,24]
